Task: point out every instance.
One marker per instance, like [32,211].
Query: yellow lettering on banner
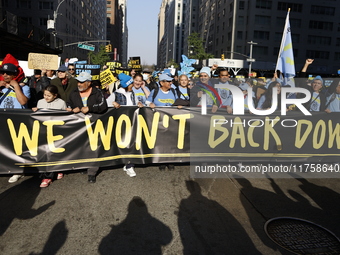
[217,125]
[320,128]
[142,127]
[52,138]
[31,142]
[237,133]
[99,129]
[126,135]
[300,140]
[333,134]
[181,128]
[250,134]
[269,130]
[166,121]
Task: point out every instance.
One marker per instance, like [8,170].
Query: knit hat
[125,80]
[206,70]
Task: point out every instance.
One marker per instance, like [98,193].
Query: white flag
[285,61]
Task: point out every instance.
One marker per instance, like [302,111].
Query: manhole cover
[301,236]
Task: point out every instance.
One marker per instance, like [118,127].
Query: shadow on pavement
[17,202]
[56,240]
[208,228]
[278,204]
[139,233]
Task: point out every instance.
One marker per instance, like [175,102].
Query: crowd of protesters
[61,90]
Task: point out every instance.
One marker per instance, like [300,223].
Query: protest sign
[43,61]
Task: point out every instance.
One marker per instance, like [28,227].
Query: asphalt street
[157,212]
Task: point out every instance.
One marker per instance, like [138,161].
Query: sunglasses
[6,72]
[71,69]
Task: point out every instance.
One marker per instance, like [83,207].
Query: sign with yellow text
[49,140]
[106,77]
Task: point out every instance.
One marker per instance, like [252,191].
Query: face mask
[145,77]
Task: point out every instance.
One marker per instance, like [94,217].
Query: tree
[196,45]
[172,63]
[99,58]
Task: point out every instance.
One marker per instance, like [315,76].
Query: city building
[75,22]
[226,27]
[171,32]
[117,31]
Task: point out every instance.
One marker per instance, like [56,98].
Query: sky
[142,22]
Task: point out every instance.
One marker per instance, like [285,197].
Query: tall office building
[226,27]
[171,32]
[76,21]
[117,32]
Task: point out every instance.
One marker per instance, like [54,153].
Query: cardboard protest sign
[43,61]
[106,77]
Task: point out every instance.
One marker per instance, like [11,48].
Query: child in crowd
[50,101]
[140,89]
[124,95]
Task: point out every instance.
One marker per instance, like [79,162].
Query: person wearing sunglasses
[14,96]
[71,70]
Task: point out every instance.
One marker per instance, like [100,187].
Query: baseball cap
[62,68]
[84,76]
[165,77]
[9,68]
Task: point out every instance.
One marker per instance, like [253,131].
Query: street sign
[86,47]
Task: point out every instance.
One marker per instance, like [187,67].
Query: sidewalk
[157,213]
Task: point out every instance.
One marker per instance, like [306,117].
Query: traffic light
[108,48]
[222,57]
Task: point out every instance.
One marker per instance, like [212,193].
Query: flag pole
[282,40]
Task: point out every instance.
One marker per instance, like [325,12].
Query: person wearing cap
[14,96]
[87,99]
[164,95]
[125,95]
[205,85]
[64,84]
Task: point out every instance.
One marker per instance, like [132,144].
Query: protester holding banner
[125,95]
[204,85]
[183,91]
[14,96]
[140,89]
[65,85]
[224,92]
[333,101]
[87,99]
[50,101]
[163,96]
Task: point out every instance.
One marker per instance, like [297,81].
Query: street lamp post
[52,24]
[251,60]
